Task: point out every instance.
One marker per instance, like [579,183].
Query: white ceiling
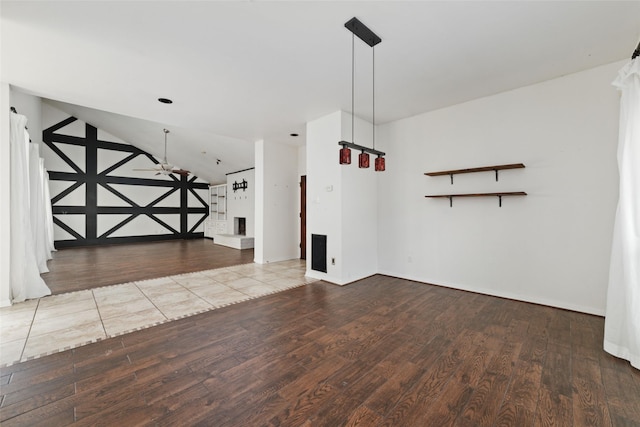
[242,71]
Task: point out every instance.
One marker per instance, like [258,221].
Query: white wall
[341,200]
[324,192]
[258,240]
[359,207]
[277,181]
[550,247]
[302,160]
[242,203]
[5,196]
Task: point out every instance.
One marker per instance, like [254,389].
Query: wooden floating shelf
[499,195]
[481,169]
[495,168]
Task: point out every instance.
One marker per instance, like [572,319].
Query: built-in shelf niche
[216,223]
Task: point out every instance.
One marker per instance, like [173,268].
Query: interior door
[303,217]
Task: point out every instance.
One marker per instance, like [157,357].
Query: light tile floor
[55,323]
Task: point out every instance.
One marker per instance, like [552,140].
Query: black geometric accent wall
[114,207]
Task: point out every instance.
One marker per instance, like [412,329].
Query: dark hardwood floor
[75,269]
[379,352]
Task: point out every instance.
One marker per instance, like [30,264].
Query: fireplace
[240,226]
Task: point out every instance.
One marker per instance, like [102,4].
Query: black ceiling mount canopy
[362,31]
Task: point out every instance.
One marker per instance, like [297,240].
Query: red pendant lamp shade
[379,163]
[345,156]
[363,160]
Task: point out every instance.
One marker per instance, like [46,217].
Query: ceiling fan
[165,168]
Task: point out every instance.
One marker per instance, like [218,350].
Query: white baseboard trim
[325,277]
[508,295]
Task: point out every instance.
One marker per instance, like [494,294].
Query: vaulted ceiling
[242,71]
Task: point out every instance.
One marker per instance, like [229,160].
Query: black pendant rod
[373,93]
[353,80]
[636,52]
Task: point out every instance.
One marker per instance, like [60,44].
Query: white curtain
[37,208]
[48,210]
[26,282]
[622,320]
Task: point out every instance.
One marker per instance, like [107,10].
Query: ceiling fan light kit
[165,168]
[357,28]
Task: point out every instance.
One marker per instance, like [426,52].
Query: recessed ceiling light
[293,134]
[165,100]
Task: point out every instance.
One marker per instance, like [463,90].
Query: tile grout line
[33,319]
[238,290]
[151,301]
[198,296]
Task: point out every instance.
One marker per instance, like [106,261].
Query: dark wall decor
[240,185]
[126,209]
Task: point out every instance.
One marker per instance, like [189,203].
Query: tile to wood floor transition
[65,321]
[379,352]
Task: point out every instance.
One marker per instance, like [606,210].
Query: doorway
[303,217]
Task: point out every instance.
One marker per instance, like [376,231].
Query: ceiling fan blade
[165,168]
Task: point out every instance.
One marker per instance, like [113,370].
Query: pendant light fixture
[363,160]
[357,28]
[345,156]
